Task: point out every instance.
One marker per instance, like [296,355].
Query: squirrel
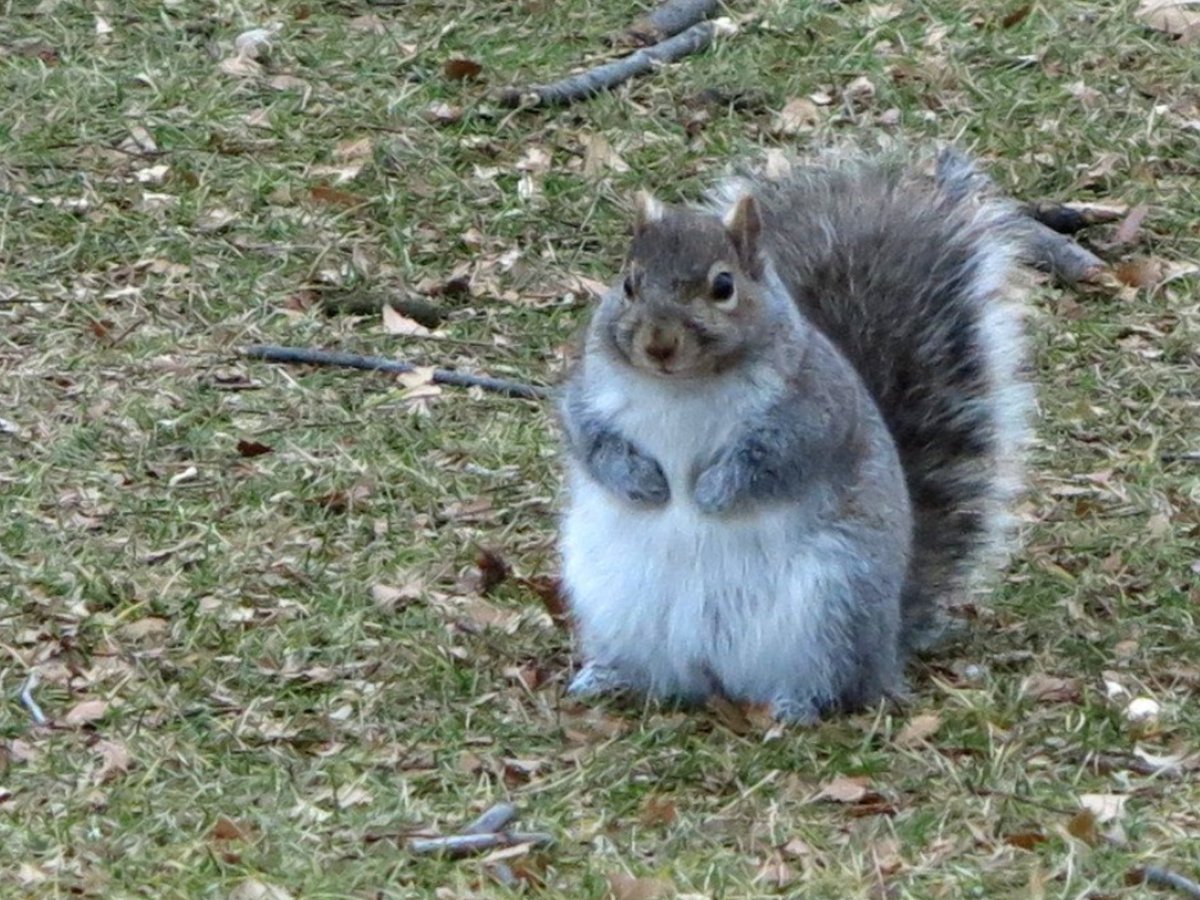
[794,434]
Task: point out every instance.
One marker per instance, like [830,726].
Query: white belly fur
[673,597]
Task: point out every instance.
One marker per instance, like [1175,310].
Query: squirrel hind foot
[596,680]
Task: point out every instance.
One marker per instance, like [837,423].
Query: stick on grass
[458,845]
[608,76]
[666,20]
[307,356]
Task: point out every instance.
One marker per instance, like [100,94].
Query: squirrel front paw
[718,489]
[646,484]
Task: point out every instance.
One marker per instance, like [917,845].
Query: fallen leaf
[1026,840]
[535,159]
[342,501]
[1127,231]
[845,790]
[287,83]
[599,156]
[918,729]
[1082,825]
[1052,689]
[490,571]
[253,889]
[147,627]
[461,69]
[239,66]
[550,592]
[253,448]
[226,830]
[85,712]
[740,718]
[658,811]
[114,761]
[796,849]
[443,113]
[419,400]
[398,323]
[774,873]
[625,887]
[418,376]
[354,148]
[1105,807]
[798,114]
[1178,17]
[324,193]
[1017,16]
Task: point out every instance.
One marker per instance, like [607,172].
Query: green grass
[224,607]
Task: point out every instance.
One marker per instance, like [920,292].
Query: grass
[270,714]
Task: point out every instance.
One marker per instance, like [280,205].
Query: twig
[609,75]
[667,20]
[1105,763]
[492,820]
[1160,877]
[1185,456]
[1067,219]
[26,696]
[457,845]
[311,357]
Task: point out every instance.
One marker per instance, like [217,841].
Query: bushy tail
[913,278]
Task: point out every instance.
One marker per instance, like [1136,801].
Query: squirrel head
[690,299]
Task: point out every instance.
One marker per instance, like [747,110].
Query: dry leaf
[398,323]
[240,67]
[253,889]
[626,887]
[443,113]
[1026,840]
[418,376]
[226,830]
[148,627]
[354,148]
[461,69]
[1017,16]
[390,598]
[1178,17]
[1105,807]
[115,761]
[599,156]
[774,873]
[845,790]
[535,159]
[798,114]
[250,449]
[86,711]
[1127,231]
[658,811]
[1082,825]
[287,83]
[323,193]
[419,400]
[550,592]
[490,571]
[796,849]
[1052,689]
[918,729]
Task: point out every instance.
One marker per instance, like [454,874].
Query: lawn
[251,594]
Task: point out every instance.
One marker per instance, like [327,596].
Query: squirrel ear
[744,226]
[649,209]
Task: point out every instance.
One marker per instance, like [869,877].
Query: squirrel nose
[662,349]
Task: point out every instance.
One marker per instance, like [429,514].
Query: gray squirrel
[794,433]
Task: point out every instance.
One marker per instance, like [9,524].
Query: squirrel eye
[722,287]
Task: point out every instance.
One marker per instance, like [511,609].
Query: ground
[250,591]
